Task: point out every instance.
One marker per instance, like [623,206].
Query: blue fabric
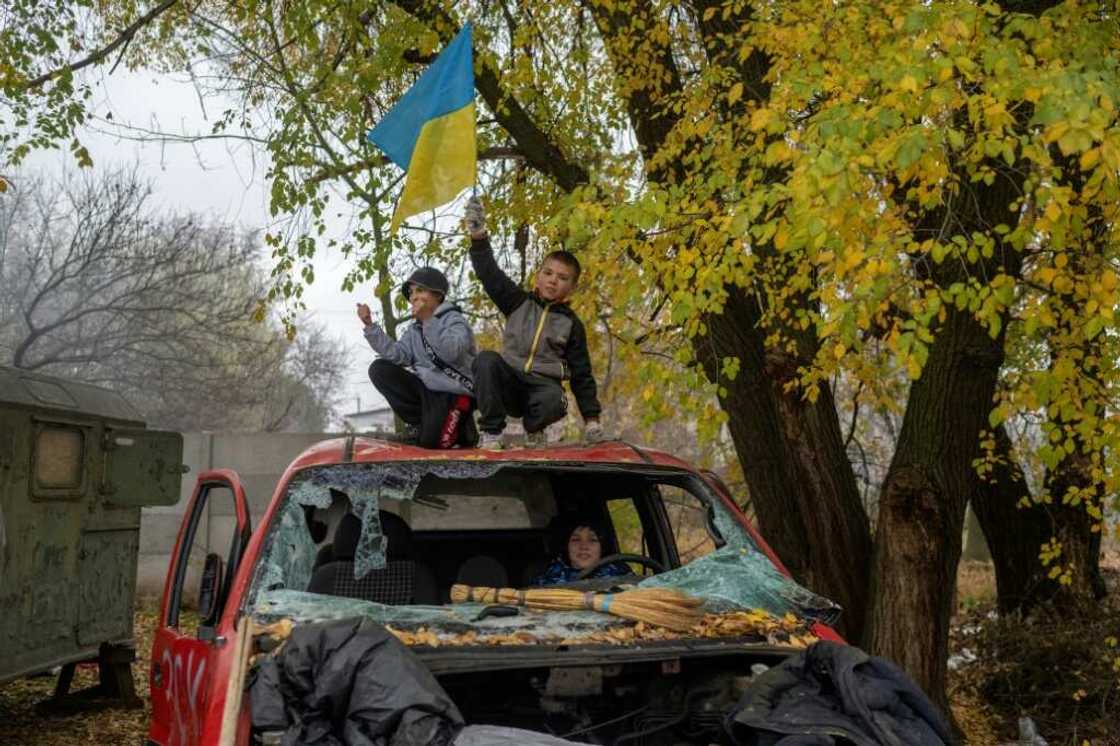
[832,694]
[446,86]
[561,572]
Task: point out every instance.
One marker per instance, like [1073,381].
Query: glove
[475,217]
[593,432]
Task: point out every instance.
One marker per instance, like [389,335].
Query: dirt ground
[1061,675]
[21,724]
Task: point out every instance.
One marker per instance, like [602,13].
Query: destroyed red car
[362,527]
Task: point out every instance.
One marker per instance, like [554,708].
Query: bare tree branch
[95,287]
[92,59]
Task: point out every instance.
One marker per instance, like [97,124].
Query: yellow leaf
[735,94]
[781,238]
[913,369]
[760,119]
[1090,158]
[908,84]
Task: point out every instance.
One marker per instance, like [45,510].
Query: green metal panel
[69,530]
[107,577]
[142,467]
[39,583]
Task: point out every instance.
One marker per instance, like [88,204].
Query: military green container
[76,466]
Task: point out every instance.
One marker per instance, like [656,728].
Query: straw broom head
[665,607]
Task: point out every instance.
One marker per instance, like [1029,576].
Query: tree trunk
[1016,532]
[801,482]
[1081,583]
[921,508]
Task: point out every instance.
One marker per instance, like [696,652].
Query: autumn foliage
[915,202]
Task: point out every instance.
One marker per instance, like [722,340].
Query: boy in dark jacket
[543,343]
[426,374]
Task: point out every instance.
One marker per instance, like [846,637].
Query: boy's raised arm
[505,293]
[385,346]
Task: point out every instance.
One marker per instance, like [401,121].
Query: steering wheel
[641,559]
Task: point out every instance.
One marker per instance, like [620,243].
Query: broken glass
[737,575]
[302,607]
[289,555]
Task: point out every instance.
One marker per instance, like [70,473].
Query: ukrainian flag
[430,133]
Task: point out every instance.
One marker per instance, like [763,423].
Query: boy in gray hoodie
[426,374]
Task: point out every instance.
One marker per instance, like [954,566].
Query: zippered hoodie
[541,337]
[450,337]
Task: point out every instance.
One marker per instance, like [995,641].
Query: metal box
[76,465]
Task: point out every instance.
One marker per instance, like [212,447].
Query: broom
[665,607]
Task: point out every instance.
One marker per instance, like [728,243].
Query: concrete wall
[259,458]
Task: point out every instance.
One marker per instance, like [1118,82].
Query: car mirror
[210,591]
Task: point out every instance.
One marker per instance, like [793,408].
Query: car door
[191,655]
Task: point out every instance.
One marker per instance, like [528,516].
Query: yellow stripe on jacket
[442,165]
[537,340]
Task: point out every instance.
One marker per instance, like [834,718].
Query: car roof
[371,449]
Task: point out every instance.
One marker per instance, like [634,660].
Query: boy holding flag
[543,343]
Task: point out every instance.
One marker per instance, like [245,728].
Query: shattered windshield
[387,541]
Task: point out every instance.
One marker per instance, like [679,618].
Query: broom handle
[232,709]
[579,600]
[483,595]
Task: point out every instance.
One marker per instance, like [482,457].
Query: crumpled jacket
[451,338]
[350,682]
[833,694]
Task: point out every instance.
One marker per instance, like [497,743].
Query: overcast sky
[220,179]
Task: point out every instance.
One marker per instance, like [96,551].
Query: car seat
[484,570]
[402,580]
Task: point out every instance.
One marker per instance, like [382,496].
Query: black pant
[503,391]
[434,413]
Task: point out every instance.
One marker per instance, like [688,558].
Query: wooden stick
[665,607]
[236,685]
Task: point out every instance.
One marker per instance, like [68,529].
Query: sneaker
[536,440]
[490,441]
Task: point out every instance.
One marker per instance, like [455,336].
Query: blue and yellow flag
[430,133]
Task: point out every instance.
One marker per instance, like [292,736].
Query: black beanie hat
[426,277]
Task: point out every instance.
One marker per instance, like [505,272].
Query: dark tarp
[832,695]
[350,682]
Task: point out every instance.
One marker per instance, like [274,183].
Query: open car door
[191,650]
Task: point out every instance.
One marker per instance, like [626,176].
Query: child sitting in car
[583,550]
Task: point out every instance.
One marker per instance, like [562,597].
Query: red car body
[189,676]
